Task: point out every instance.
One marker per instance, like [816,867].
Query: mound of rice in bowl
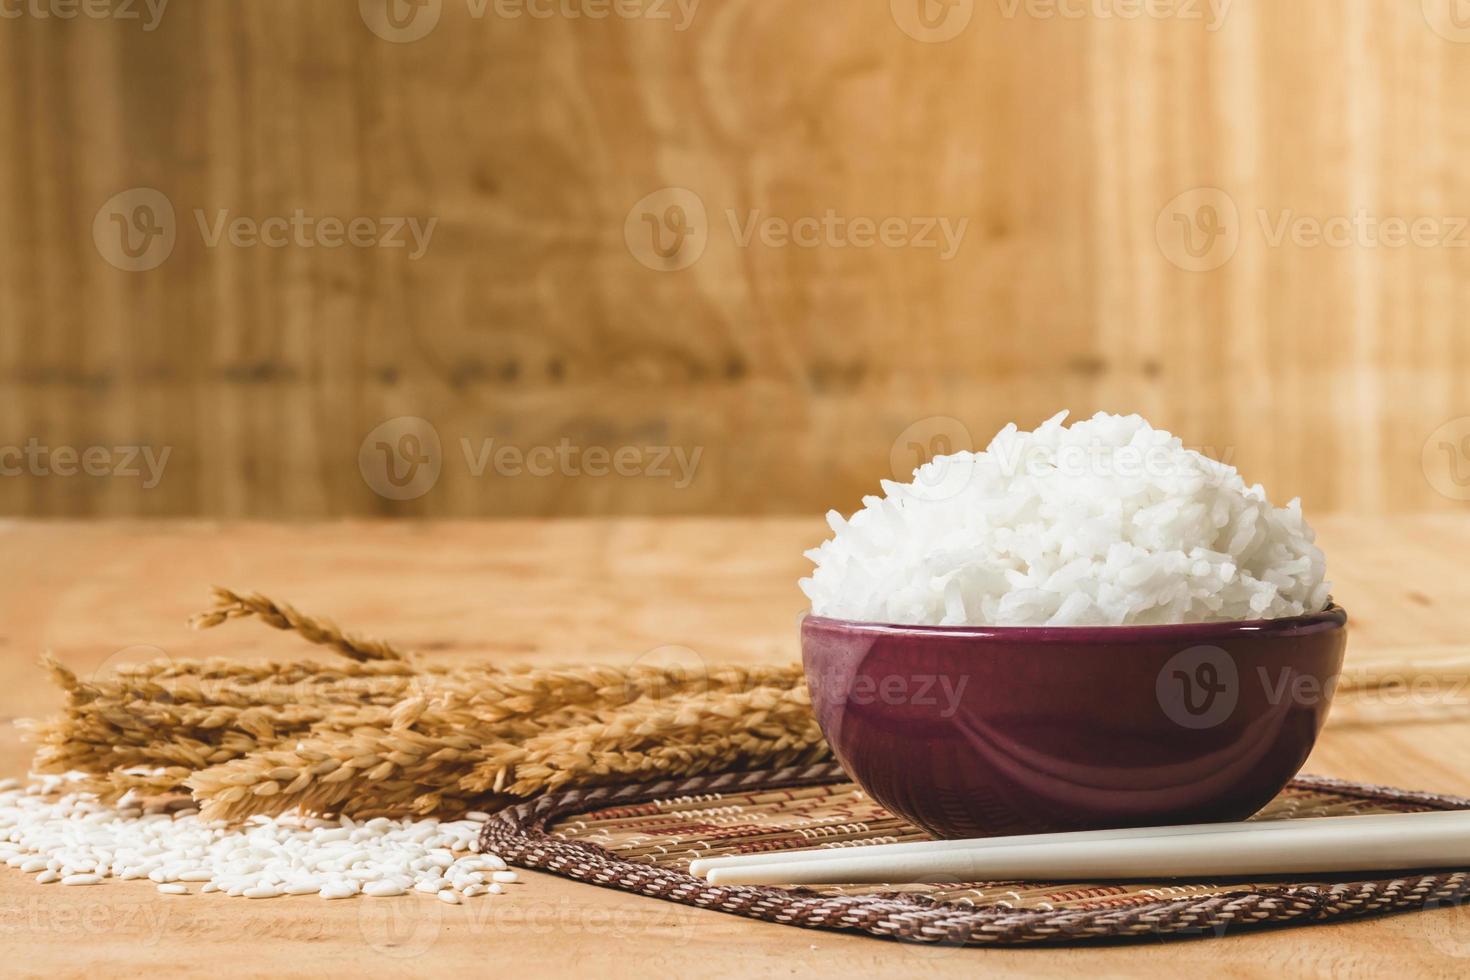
[1109,522]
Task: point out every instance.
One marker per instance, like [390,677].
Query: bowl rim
[1330,618]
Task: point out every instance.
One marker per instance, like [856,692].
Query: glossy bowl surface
[973,731]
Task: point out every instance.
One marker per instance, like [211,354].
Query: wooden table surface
[611,591]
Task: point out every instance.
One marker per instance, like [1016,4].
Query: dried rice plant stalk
[113,736]
[439,750]
[683,736]
[245,693]
[288,671]
[115,724]
[380,733]
[230,605]
[390,771]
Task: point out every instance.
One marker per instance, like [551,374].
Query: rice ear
[230,605]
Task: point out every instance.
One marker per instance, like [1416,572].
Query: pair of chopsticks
[1319,845]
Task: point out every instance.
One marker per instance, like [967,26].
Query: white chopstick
[1377,842]
[699,868]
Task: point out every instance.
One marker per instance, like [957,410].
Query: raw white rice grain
[382,889]
[77,840]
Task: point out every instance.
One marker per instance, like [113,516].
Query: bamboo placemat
[641,838]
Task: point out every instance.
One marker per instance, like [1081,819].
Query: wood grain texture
[610,591]
[1321,370]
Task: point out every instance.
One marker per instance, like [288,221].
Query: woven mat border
[519,835]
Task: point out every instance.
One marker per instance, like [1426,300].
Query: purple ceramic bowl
[973,731]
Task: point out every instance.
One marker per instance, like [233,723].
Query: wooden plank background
[1063,133]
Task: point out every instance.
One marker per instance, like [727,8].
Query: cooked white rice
[1108,522]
